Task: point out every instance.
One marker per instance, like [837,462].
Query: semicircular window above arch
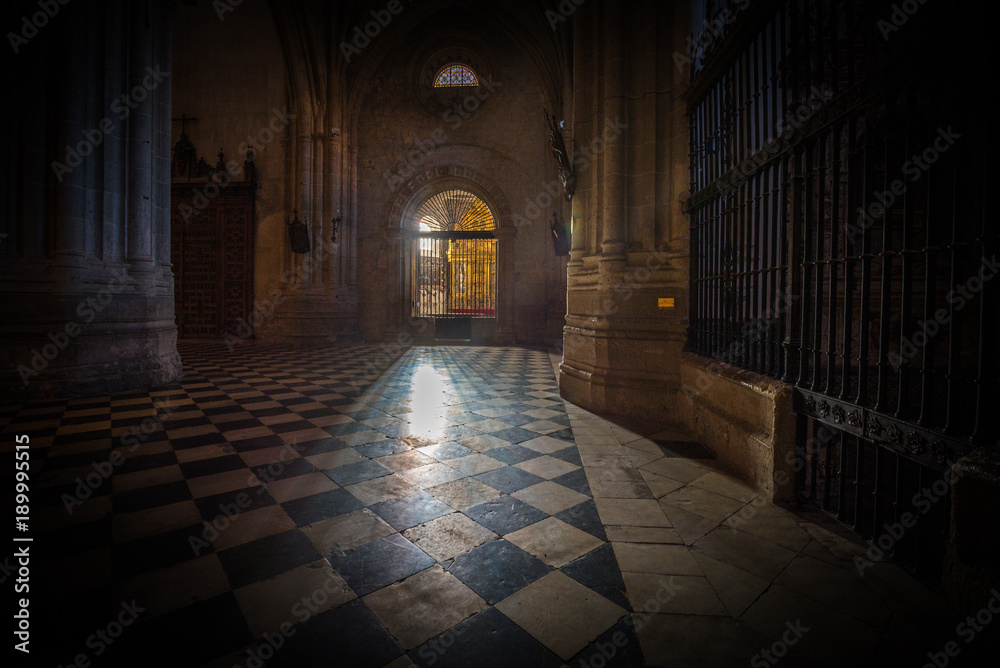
[455,75]
[455,211]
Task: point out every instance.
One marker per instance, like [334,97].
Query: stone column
[615,72]
[71,323]
[70,200]
[139,226]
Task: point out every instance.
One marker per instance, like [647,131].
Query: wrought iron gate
[455,258]
[840,241]
[455,275]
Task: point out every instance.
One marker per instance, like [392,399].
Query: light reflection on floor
[429,392]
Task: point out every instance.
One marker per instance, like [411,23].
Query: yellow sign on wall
[666,302]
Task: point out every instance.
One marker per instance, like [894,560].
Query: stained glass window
[454,75]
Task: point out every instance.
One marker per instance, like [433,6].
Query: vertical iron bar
[885,300]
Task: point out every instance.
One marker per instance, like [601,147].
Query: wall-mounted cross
[183,120]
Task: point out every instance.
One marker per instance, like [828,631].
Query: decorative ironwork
[893,435]
[298,234]
[455,211]
[455,258]
[939,451]
[824,409]
[854,419]
[839,415]
[873,427]
[810,404]
[563,162]
[914,443]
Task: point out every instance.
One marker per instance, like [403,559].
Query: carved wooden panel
[212,255]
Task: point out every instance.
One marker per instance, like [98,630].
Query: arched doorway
[454,262]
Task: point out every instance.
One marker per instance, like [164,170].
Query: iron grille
[455,275]
[838,206]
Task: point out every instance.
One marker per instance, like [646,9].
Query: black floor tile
[509,478]
[158,551]
[618,647]
[346,636]
[515,434]
[409,511]
[575,480]
[257,443]
[505,514]
[283,469]
[293,425]
[584,516]
[196,441]
[514,454]
[382,449]
[359,472]
[486,640]
[321,506]
[569,454]
[190,636]
[264,558]
[598,569]
[372,566]
[233,503]
[213,465]
[235,425]
[151,497]
[516,419]
[497,570]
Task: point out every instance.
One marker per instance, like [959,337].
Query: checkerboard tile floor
[277,504]
[296,507]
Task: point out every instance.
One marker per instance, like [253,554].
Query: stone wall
[744,418]
[366,138]
[621,348]
[86,298]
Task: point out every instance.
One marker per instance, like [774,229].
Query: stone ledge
[744,418]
